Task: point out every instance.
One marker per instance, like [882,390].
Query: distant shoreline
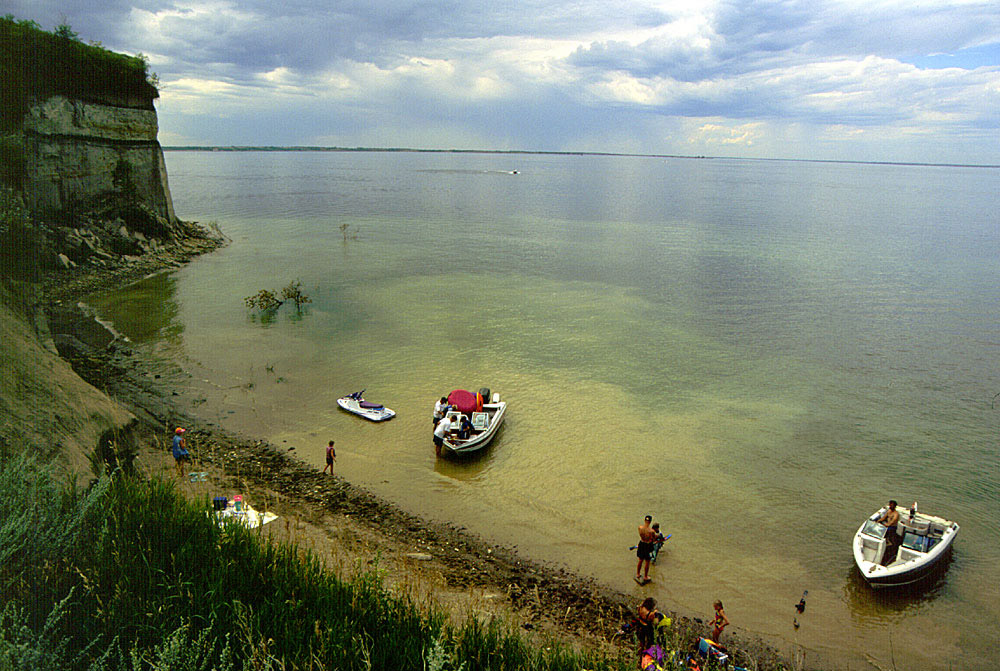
[525,152]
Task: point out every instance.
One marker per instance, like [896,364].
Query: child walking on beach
[179,449]
[331,456]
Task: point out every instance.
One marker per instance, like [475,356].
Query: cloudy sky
[881,80]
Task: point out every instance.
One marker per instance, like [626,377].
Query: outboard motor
[485,393]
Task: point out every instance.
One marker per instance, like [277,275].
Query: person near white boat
[440,431]
[440,408]
[331,456]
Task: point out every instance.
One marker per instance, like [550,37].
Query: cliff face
[74,150]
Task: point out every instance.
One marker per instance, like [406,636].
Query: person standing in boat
[440,409]
[464,428]
[331,456]
[442,429]
[891,521]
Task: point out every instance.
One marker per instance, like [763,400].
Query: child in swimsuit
[331,456]
[719,622]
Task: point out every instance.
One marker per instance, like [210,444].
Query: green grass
[128,574]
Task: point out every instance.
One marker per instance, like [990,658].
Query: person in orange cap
[181,455]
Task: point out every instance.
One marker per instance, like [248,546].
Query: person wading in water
[644,551]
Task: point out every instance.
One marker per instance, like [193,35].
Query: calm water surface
[757,353]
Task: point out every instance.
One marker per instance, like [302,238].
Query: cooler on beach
[710,650]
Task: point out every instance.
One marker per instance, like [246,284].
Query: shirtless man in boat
[891,520]
[644,551]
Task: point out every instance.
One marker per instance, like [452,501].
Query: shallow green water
[757,353]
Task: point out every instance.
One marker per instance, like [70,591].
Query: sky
[865,80]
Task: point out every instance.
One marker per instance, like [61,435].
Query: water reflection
[868,605]
[468,467]
[269,318]
[146,311]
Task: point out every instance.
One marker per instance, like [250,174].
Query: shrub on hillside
[25,250]
[13,162]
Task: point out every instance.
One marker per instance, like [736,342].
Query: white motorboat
[484,414]
[923,540]
[356,403]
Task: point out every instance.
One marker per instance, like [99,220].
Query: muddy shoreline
[539,598]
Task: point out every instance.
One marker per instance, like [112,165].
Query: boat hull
[478,441]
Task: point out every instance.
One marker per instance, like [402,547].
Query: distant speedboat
[925,540]
[485,413]
[356,403]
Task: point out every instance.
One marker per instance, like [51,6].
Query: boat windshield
[915,542]
[874,529]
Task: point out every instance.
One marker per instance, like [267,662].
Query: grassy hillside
[129,574]
[46,408]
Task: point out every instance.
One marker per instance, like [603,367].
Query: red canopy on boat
[462,400]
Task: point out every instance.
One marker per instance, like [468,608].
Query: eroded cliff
[76,150]
[84,206]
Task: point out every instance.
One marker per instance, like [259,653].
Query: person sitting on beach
[440,432]
[181,455]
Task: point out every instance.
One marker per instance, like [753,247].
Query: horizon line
[320,148]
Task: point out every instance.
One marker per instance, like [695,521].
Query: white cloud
[721,134]
[786,76]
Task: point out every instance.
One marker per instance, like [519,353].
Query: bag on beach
[652,659]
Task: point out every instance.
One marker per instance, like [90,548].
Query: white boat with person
[472,421]
[905,555]
[357,404]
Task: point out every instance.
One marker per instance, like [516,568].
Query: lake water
[757,353]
